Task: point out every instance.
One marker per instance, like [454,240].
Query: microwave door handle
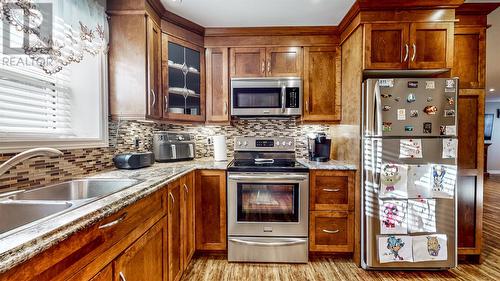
[283,98]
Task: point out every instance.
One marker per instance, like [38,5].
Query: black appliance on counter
[134,160]
[318,146]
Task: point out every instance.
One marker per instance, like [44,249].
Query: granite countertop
[26,243]
[329,165]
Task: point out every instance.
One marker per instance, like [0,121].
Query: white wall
[494,149]
[493,56]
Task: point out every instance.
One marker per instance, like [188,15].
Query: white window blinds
[32,103]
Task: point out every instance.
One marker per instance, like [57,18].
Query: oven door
[268,204]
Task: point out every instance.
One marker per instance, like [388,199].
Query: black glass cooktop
[265,165]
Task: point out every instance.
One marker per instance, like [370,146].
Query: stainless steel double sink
[21,209]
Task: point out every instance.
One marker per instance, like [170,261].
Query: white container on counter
[220,148]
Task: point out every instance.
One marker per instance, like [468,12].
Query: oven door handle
[284,178]
[269,244]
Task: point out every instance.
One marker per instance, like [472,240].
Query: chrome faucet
[30,153]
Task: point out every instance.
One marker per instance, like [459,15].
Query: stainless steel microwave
[266,97]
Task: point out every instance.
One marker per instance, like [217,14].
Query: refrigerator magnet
[387,107]
[401,114]
[449,113]
[431,109]
[427,128]
[410,148]
[430,85]
[429,99]
[397,99]
[386,126]
[413,84]
[386,95]
[408,128]
[450,100]
[450,86]
[450,130]
[386,83]
[411,98]
[433,247]
[414,113]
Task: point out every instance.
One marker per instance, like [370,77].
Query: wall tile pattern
[122,135]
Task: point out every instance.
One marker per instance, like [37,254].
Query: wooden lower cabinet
[188,218]
[332,215]
[331,231]
[175,246]
[144,259]
[211,232]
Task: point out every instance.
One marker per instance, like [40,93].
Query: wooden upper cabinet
[322,99]
[145,259]
[270,62]
[211,232]
[154,95]
[217,71]
[284,62]
[386,46]
[469,60]
[425,45]
[431,45]
[248,62]
[175,247]
[188,218]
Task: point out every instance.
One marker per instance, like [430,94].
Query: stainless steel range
[268,194]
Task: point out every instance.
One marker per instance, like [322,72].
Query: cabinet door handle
[414,52]
[225,107]
[122,276]
[263,66]
[330,231]
[307,106]
[331,189]
[269,66]
[186,188]
[407,52]
[166,103]
[172,197]
[154,97]
[113,223]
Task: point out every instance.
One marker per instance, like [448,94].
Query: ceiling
[255,13]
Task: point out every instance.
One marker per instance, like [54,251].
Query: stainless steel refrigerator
[409,151]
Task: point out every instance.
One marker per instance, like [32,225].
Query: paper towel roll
[220,148]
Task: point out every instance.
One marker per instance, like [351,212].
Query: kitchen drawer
[331,231]
[331,190]
[69,256]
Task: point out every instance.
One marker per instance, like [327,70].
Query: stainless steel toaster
[173,146]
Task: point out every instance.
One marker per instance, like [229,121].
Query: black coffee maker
[319,147]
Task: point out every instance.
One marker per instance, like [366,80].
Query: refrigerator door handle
[377,126]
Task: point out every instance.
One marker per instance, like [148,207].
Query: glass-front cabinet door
[184,92]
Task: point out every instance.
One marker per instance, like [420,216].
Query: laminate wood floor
[209,268]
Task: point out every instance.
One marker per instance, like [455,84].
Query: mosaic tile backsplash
[122,135]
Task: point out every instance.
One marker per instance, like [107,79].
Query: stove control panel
[264,144]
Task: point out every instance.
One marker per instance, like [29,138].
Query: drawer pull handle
[331,231]
[331,189]
[113,223]
[122,277]
[172,197]
[186,188]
